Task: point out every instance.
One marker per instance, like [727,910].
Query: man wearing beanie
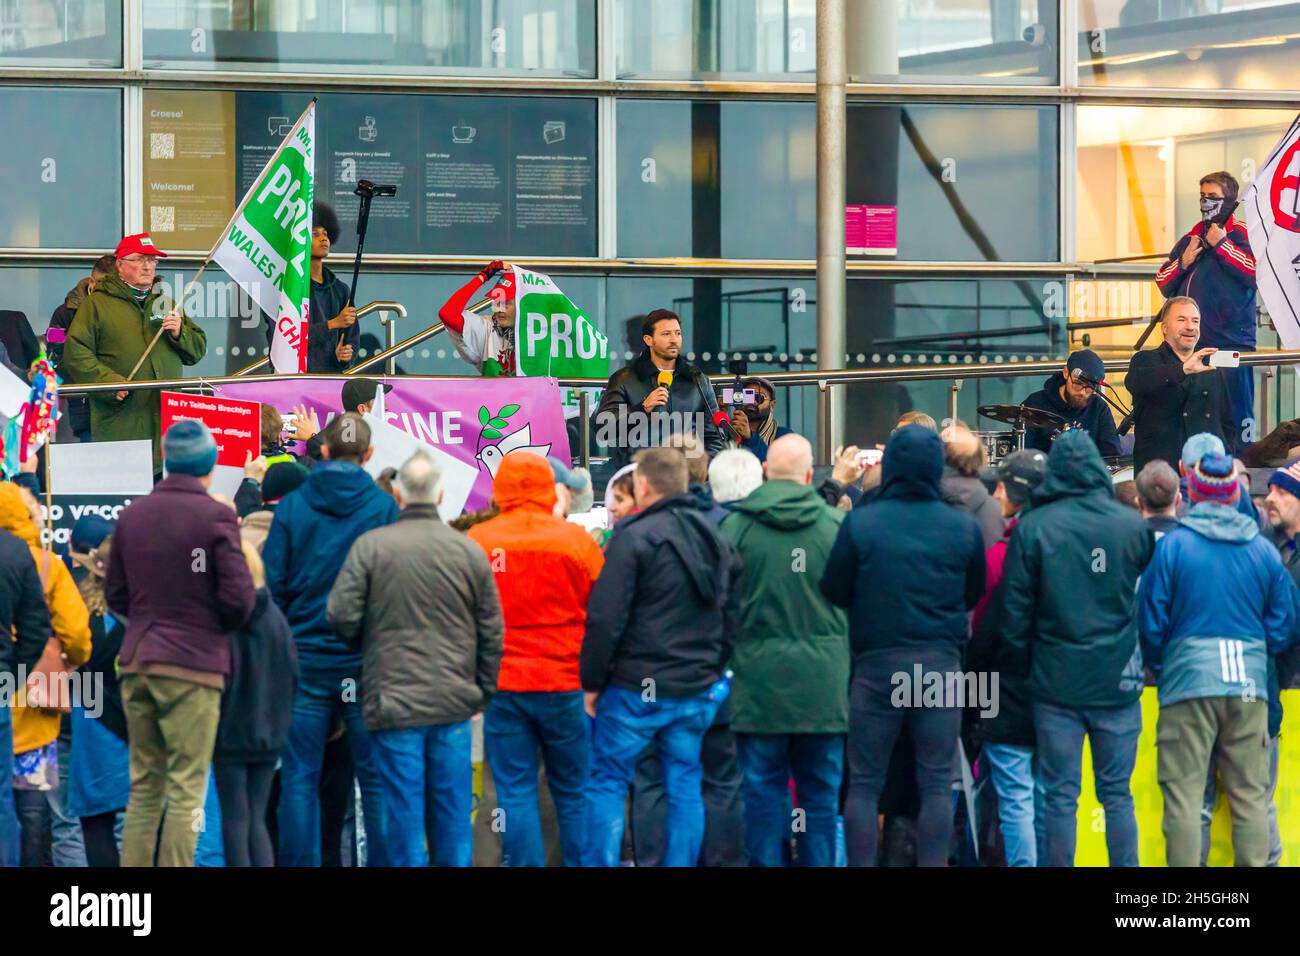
[177,575]
[1209,648]
[1073,393]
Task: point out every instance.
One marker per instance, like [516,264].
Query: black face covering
[1211,208]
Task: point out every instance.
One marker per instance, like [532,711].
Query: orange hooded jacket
[544,569]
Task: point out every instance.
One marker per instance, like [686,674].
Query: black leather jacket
[623,427]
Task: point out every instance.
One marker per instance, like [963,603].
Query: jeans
[1020,801]
[721,784]
[816,761]
[1113,736]
[625,725]
[10,838]
[874,726]
[427,768]
[65,831]
[515,727]
[321,696]
[210,849]
[1212,796]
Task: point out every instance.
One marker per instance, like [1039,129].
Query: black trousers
[724,810]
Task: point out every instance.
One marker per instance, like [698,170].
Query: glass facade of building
[1005,145]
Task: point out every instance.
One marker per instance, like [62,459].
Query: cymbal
[1020,414]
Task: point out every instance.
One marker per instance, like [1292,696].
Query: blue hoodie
[1214,605]
[907,566]
[310,537]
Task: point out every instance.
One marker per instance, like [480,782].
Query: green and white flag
[266,246]
[555,338]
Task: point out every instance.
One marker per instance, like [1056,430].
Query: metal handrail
[382,306]
[816,377]
[390,354]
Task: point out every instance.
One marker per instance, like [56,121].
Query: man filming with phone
[753,414]
[1178,389]
[1213,264]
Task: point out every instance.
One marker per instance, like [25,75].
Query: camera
[735,394]
[739,397]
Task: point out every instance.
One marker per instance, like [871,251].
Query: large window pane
[536,37]
[738,180]
[71,33]
[62,167]
[1139,170]
[689,38]
[1225,44]
[497,176]
[956,41]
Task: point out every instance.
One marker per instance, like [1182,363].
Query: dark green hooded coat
[1070,585]
[108,335]
[791,659]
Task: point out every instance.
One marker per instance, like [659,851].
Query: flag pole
[49,493]
[221,236]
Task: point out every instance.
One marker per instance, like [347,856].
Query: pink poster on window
[871,230]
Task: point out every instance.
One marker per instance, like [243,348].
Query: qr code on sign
[162,145]
[162,218]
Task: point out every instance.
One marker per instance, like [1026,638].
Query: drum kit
[1020,417]
[997,445]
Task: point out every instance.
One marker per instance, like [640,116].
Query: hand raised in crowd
[343,352]
[1214,235]
[656,398]
[171,323]
[305,424]
[345,319]
[255,468]
[1191,253]
[848,466]
[740,422]
[1194,365]
[495,267]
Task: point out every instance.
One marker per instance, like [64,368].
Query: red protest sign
[236,425]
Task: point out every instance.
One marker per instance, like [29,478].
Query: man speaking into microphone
[657,395]
[1074,395]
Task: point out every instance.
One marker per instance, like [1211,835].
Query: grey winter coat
[420,602]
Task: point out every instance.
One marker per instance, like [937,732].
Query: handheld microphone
[666,379]
[723,424]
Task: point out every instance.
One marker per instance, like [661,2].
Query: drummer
[1072,394]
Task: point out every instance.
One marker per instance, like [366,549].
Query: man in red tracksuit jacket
[488,344]
[1213,265]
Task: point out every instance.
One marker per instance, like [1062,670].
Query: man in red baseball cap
[111,332]
[487,344]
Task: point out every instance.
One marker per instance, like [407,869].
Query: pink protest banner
[476,421]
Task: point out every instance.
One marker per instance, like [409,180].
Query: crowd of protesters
[738,665]
[742,665]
